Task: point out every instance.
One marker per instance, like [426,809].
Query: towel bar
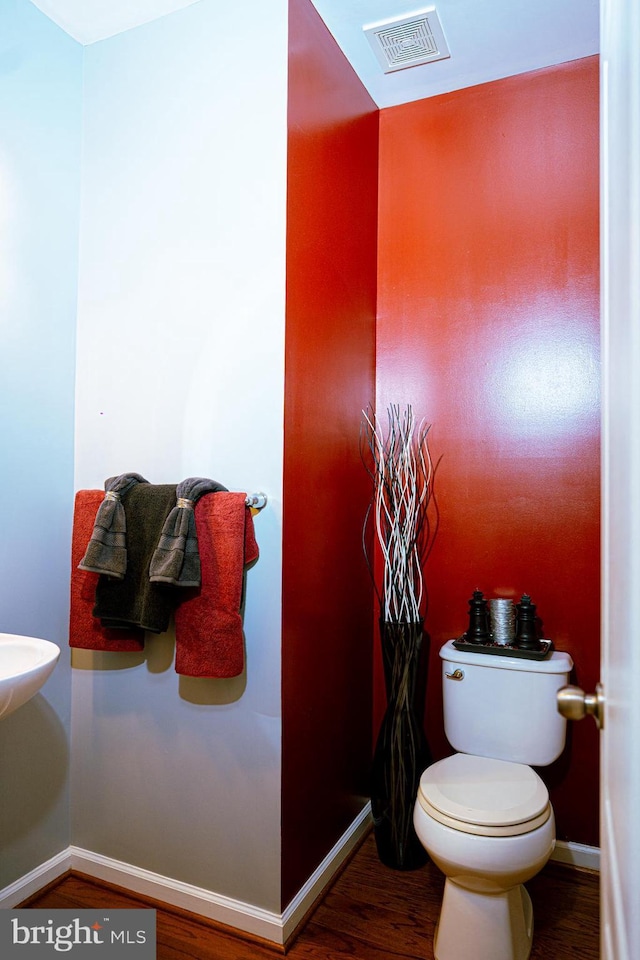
[256,500]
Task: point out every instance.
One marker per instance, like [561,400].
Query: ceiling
[487,39]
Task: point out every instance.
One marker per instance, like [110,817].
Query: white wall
[40,128]
[180,372]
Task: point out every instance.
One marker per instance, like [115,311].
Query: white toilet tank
[504,707]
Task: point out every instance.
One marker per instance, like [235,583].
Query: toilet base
[480,926]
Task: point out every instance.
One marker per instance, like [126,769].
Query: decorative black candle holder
[478,631]
[526,625]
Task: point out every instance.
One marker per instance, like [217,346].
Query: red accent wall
[488,322]
[329,378]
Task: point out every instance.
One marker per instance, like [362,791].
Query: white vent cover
[408,41]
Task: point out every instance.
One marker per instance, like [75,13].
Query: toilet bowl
[488,825]
[484,816]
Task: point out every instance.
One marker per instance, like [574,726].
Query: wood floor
[370,913]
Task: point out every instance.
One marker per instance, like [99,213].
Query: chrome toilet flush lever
[456,675]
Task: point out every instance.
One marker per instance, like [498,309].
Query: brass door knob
[574,704]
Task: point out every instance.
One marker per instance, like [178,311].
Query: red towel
[85,630]
[209,638]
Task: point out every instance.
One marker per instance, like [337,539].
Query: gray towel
[134,601]
[176,559]
[107,549]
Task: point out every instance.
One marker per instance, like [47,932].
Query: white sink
[25,664]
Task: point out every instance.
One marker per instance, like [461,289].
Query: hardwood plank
[566,911]
[370,913]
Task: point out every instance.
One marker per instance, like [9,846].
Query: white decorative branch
[402,472]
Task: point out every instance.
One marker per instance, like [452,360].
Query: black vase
[401,752]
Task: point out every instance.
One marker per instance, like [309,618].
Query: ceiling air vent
[408,41]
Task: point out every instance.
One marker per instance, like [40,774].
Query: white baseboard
[309,893]
[577,855]
[186,896]
[35,880]
[275,927]
[244,917]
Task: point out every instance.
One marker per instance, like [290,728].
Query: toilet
[483,815]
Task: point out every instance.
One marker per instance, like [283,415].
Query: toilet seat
[483,796]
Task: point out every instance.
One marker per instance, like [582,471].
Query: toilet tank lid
[557,662]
